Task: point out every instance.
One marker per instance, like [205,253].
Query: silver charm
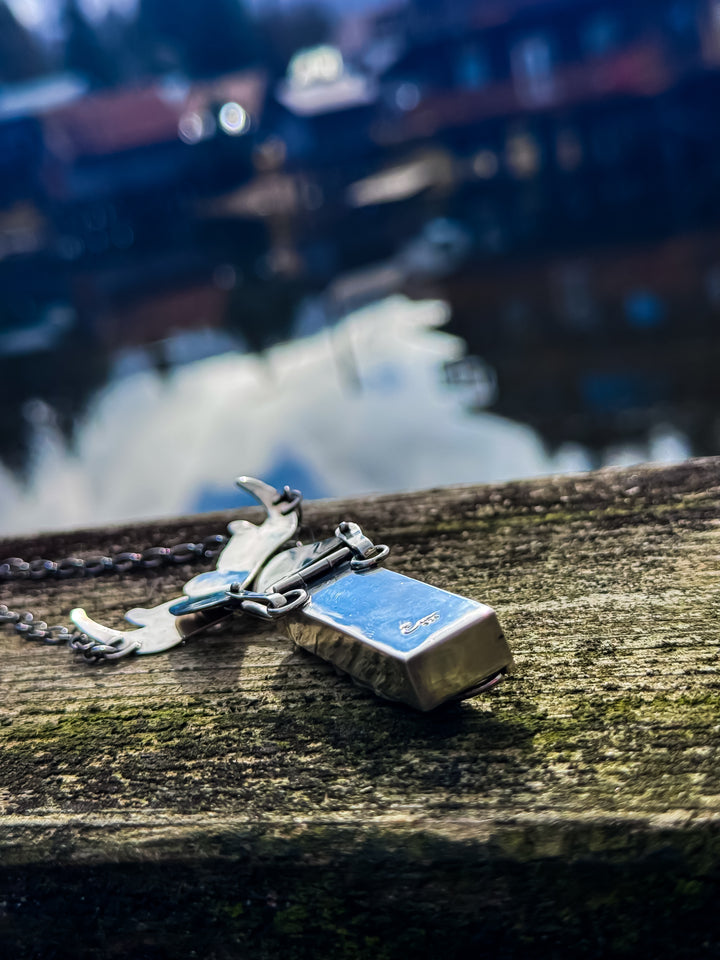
[404,639]
[159,630]
[249,546]
[400,637]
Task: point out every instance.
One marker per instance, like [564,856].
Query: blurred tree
[284,32]
[212,37]
[21,56]
[85,53]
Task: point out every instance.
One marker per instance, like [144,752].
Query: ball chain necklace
[403,639]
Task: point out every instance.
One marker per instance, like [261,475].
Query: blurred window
[683,21]
[711,32]
[321,64]
[577,305]
[600,34]
[616,391]
[685,26]
[523,155]
[485,164]
[712,285]
[532,67]
[644,310]
[568,150]
[608,139]
[472,69]
[407,96]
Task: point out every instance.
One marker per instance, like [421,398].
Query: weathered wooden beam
[236,797]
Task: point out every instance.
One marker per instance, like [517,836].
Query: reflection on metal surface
[409,627]
[402,638]
[158,629]
[355,620]
[337,602]
[168,624]
[250,544]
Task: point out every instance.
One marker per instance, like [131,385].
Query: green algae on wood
[266,802]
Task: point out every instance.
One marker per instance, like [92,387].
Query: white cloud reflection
[361,407]
[44,15]
[33,13]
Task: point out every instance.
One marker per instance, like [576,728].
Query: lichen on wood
[268,803]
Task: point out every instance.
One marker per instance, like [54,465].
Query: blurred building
[584,162]
[589,114]
[550,167]
[597,347]
[118,164]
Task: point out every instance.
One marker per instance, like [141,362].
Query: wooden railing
[234,797]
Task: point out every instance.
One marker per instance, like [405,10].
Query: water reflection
[358,407]
[228,242]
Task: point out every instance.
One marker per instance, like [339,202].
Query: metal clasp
[273,606]
[366,554]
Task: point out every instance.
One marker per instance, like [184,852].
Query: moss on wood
[241,790]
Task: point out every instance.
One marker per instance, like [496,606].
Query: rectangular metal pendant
[404,639]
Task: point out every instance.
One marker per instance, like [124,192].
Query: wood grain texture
[236,797]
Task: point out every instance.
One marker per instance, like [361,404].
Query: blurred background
[350,245]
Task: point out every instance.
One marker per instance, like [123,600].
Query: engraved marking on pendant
[409,627]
